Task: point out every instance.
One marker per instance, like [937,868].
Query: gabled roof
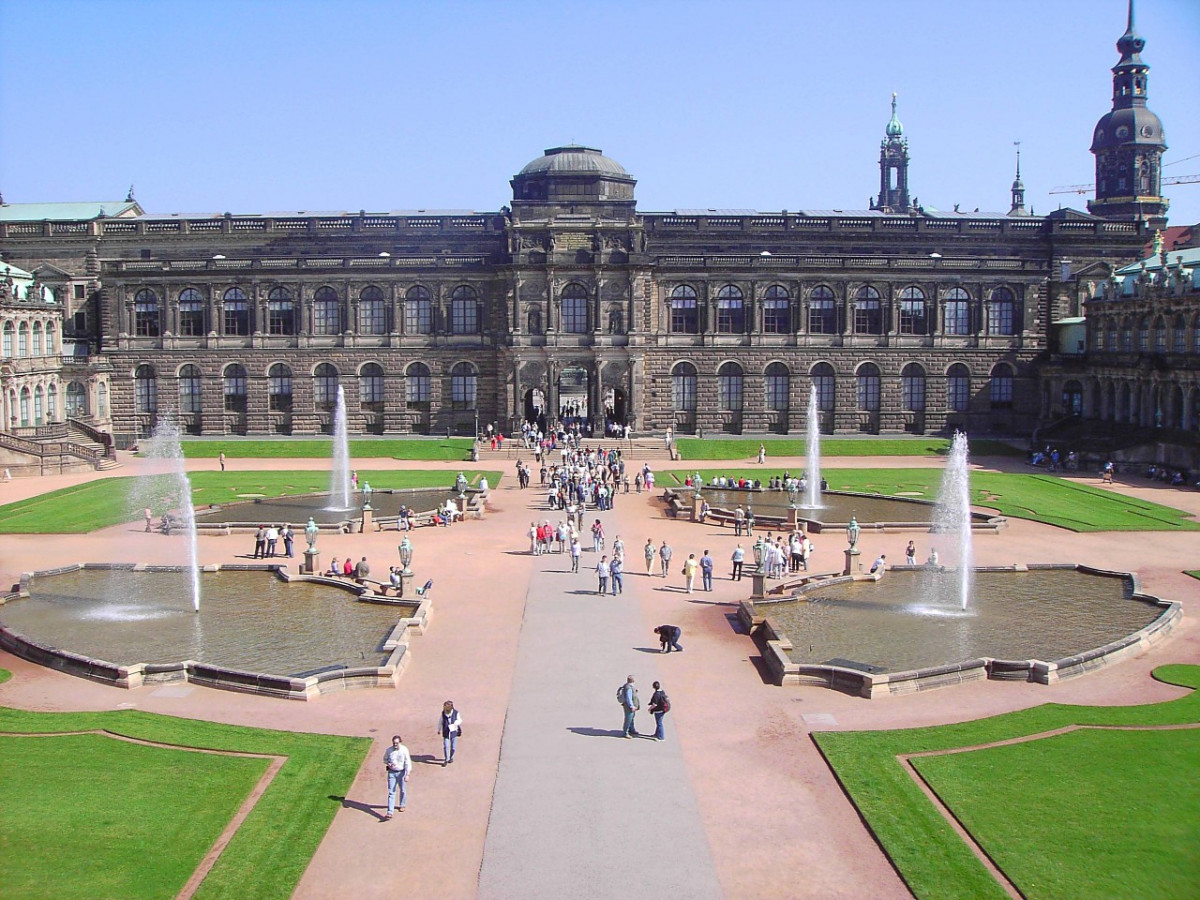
[62,212]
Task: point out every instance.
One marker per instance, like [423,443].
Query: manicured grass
[1039,497]
[936,863]
[306,448]
[120,814]
[694,448]
[106,501]
[1138,795]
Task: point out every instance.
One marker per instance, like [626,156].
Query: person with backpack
[627,696]
[660,704]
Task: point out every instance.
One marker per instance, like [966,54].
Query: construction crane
[1087,188]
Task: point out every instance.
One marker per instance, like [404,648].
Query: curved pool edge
[216,676]
[775,643]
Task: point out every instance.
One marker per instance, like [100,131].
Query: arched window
[39,416]
[825,382]
[145,314]
[417,386]
[958,388]
[281,311]
[616,322]
[1160,335]
[729,387]
[233,383]
[685,318]
[325,386]
[37,338]
[372,311]
[190,400]
[23,339]
[145,390]
[575,309]
[10,335]
[958,312]
[912,388]
[868,311]
[191,313]
[464,315]
[370,385]
[279,388]
[731,310]
[1179,335]
[25,403]
[867,383]
[777,307]
[462,386]
[914,314]
[534,321]
[683,387]
[418,310]
[1000,389]
[1072,398]
[777,386]
[822,311]
[51,403]
[236,312]
[77,406]
[1002,312]
[327,312]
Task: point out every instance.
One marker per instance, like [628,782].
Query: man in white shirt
[398,763]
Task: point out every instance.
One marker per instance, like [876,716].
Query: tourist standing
[597,536]
[576,552]
[910,554]
[615,569]
[739,521]
[650,552]
[762,454]
[603,570]
[221,459]
[690,565]
[289,540]
[260,541]
[664,557]
[272,540]
[398,762]
[738,558]
[660,704]
[627,696]
[449,727]
[149,517]
[706,571]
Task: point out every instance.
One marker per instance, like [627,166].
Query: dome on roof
[573,159]
[1128,125]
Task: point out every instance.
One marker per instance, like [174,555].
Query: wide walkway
[543,798]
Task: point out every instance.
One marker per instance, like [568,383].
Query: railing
[95,434]
[42,450]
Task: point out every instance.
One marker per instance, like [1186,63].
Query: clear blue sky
[264,105]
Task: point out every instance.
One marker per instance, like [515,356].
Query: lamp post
[853,565]
[312,557]
[406,554]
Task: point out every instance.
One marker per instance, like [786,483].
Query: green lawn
[106,501]
[736,449]
[1040,497]
[1078,812]
[306,448]
[85,816]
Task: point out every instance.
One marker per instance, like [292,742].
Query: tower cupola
[893,168]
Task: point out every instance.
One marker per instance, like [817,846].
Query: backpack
[666,704]
[621,693]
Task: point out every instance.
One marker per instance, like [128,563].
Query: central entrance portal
[574,392]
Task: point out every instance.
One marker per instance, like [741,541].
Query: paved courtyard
[545,799]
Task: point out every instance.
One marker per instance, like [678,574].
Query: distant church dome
[574,159]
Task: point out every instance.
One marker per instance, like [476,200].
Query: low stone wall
[775,645]
[208,675]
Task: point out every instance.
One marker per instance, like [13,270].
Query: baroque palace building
[573,302]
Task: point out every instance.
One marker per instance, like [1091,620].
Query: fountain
[339,478]
[812,450]
[952,518]
[164,486]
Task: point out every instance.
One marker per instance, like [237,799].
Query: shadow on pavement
[596,732]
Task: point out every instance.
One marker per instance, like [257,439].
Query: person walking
[660,705]
[597,536]
[449,727]
[706,571]
[627,696]
[910,554]
[738,558]
[603,570]
[664,557]
[668,638]
[398,762]
[762,454]
[690,565]
[576,551]
[221,459]
[650,553]
[615,569]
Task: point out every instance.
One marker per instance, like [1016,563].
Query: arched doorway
[574,393]
[535,407]
[616,409]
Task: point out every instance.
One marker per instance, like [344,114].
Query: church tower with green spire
[1129,142]
[893,168]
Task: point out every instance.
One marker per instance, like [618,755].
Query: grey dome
[574,159]
[1128,125]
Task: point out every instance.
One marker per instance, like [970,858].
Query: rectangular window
[775,317]
[822,317]
[327,318]
[235,394]
[868,317]
[683,392]
[417,391]
[237,317]
[777,392]
[868,393]
[826,392]
[684,317]
[191,319]
[464,317]
[913,393]
[1002,392]
[958,317]
[462,391]
[282,317]
[729,390]
[1000,318]
[731,317]
[958,388]
[417,317]
[370,389]
[372,317]
[913,318]
[280,393]
[189,395]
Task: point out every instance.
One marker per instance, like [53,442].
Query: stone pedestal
[312,563]
[758,582]
[405,581]
[697,502]
[368,519]
[462,504]
[853,562]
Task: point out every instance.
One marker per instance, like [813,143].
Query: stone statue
[852,532]
[310,533]
[366,494]
[460,483]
